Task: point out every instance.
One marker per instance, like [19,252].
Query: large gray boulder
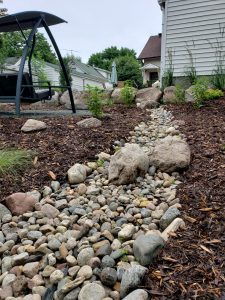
[148,97]
[146,247]
[169,95]
[116,95]
[170,154]
[79,99]
[127,164]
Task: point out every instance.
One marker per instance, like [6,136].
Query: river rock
[171,214]
[92,291]
[146,247]
[77,174]
[137,295]
[131,279]
[108,276]
[4,211]
[127,164]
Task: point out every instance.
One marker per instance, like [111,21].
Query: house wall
[196,25]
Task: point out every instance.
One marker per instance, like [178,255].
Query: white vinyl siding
[198,26]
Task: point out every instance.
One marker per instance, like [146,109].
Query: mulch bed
[63,144]
[192,265]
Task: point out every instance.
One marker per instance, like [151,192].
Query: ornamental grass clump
[14,161]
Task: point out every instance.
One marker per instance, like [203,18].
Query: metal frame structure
[33,21]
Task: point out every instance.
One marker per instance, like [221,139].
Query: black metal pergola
[31,20]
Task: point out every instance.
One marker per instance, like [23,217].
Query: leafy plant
[199,90]
[127,93]
[179,94]
[100,162]
[94,100]
[168,79]
[211,94]
[191,72]
[14,161]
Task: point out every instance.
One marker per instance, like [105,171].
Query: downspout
[164,8]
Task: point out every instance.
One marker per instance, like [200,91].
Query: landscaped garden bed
[192,265]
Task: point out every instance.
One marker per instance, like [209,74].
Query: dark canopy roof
[152,49]
[26,20]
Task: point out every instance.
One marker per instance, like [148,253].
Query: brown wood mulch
[192,265]
[62,144]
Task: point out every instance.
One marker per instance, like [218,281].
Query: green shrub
[128,94]
[168,78]
[202,93]
[199,90]
[95,100]
[179,94]
[211,94]
[14,161]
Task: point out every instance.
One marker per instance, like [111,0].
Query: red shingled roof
[153,48]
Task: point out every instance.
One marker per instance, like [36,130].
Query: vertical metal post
[30,58]
[61,63]
[22,64]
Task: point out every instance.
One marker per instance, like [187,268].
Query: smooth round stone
[54,244]
[145,213]
[34,235]
[108,276]
[92,291]
[85,272]
[84,256]
[107,261]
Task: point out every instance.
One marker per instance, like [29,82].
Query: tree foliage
[128,67]
[68,60]
[12,44]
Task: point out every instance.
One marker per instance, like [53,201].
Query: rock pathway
[93,238]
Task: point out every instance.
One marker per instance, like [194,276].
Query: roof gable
[152,48]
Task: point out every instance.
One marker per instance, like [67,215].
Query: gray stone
[171,214]
[127,232]
[146,247]
[55,185]
[108,276]
[131,279]
[84,256]
[4,211]
[8,279]
[79,100]
[77,174]
[20,259]
[169,95]
[108,261]
[92,291]
[189,95]
[90,123]
[73,295]
[33,125]
[50,211]
[137,295]
[127,164]
[148,97]
[34,235]
[54,244]
[170,154]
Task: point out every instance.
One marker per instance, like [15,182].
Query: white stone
[33,125]
[173,227]
[77,174]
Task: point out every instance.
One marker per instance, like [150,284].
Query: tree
[105,58]
[128,67]
[13,44]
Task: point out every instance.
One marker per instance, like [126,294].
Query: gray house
[196,27]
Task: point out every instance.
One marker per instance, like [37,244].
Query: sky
[94,25]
